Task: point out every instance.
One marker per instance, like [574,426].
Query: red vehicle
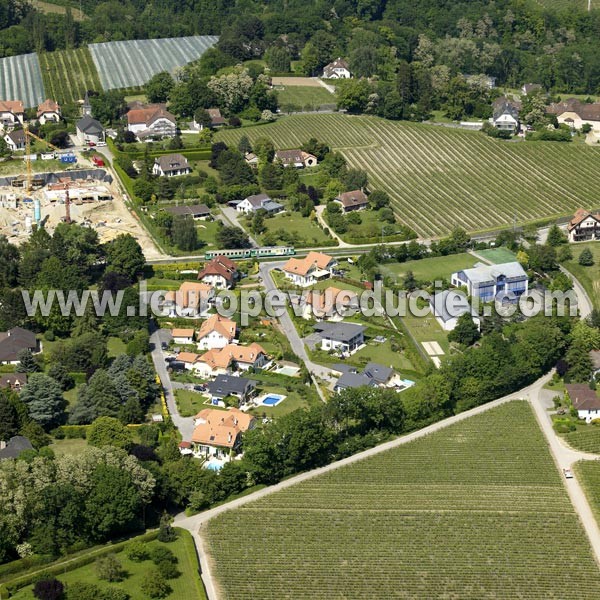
[97,161]
[91,144]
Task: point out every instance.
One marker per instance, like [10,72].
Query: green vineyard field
[67,74]
[477,510]
[441,177]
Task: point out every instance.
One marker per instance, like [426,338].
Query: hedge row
[70,564]
[71,432]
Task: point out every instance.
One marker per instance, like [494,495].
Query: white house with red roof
[584,227]
[48,111]
[12,113]
[307,271]
[216,332]
[221,273]
[153,120]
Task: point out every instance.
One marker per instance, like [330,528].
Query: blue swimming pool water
[272,400]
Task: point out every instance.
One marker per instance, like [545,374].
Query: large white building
[448,305]
[488,282]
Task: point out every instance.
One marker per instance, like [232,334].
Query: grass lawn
[304,231]
[426,329]
[187,585]
[17,166]
[498,255]
[158,283]
[589,277]
[189,403]
[304,97]
[430,269]
[115,347]
[207,232]
[68,446]
[369,230]
[71,395]
[476,510]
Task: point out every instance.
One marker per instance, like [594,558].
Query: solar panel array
[21,79]
[132,63]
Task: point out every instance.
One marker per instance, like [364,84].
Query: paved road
[319,212]
[185,425]
[231,216]
[583,300]
[194,524]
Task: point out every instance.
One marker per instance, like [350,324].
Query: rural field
[567,4]
[20,77]
[431,269]
[441,177]
[304,97]
[477,510]
[67,74]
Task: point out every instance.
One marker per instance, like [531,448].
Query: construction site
[88,196]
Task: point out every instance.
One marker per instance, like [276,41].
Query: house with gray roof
[506,281]
[195,211]
[373,375]
[171,165]
[14,447]
[15,340]
[228,385]
[342,337]
[257,202]
[448,305]
[295,158]
[506,115]
[585,401]
[89,130]
[15,140]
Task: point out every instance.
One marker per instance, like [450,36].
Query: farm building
[171,165]
[295,158]
[338,69]
[448,305]
[251,204]
[151,121]
[89,130]
[354,200]
[12,113]
[584,227]
[48,111]
[306,271]
[585,401]
[575,113]
[489,282]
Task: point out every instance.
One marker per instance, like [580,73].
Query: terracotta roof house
[354,200]
[218,433]
[216,119]
[220,272]
[584,226]
[216,332]
[183,336]
[295,158]
[171,165]
[575,113]
[14,341]
[338,69]
[89,130]
[191,300]
[14,447]
[585,401]
[13,381]
[195,211]
[257,202]
[189,359]
[213,363]
[151,121]
[220,361]
[12,113]
[49,110]
[307,271]
[15,140]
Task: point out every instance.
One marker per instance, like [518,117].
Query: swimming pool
[272,399]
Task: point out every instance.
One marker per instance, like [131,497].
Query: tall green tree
[44,400]
[124,255]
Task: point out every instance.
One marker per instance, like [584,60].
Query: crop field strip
[132,63]
[68,74]
[439,177]
[475,511]
[586,440]
[21,79]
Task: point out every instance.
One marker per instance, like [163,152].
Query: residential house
[216,333]
[171,165]
[331,304]
[448,305]
[15,340]
[351,380]
[488,282]
[152,121]
[216,119]
[575,113]
[310,269]
[190,300]
[531,88]
[344,338]
[90,130]
[12,113]
[585,401]
[15,140]
[257,202]
[506,115]
[383,376]
[584,226]
[13,381]
[14,447]
[228,385]
[295,158]
[251,159]
[373,375]
[213,363]
[218,433]
[220,272]
[198,212]
[221,361]
[48,111]
[183,336]
[189,360]
[354,200]
[338,69]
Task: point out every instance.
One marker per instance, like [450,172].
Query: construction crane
[28,136]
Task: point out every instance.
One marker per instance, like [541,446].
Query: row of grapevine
[132,63]
[477,510]
[440,177]
[21,79]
